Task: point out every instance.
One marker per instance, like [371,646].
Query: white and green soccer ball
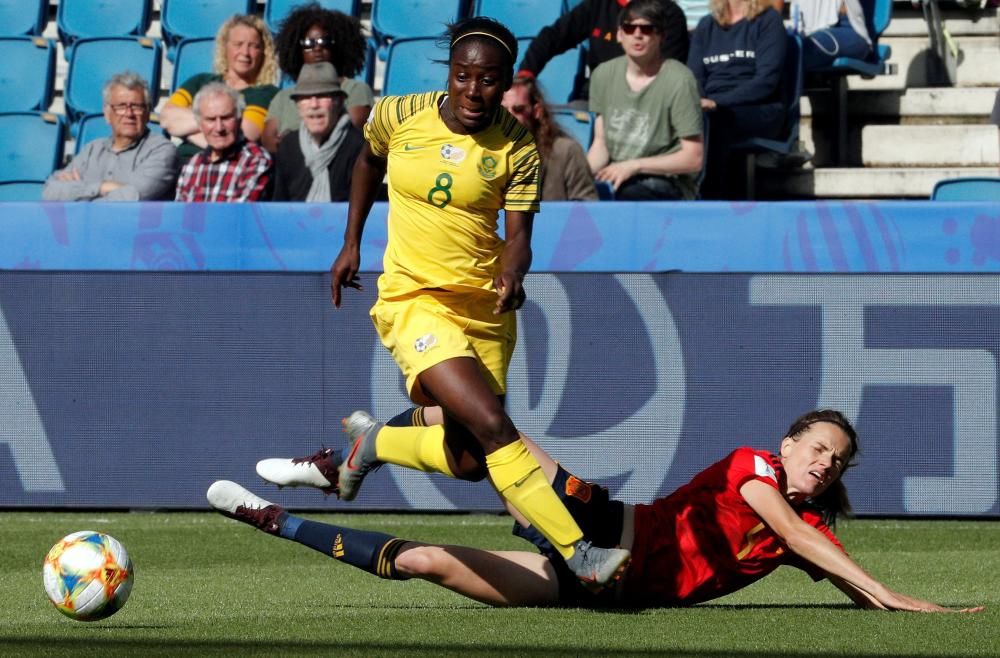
[88,575]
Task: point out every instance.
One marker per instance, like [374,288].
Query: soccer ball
[88,575]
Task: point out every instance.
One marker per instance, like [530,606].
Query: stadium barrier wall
[149,349]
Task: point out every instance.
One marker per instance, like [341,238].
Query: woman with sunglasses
[308,35]
[244,61]
[647,136]
[737,56]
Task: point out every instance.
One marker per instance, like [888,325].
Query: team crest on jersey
[763,469]
[488,167]
[452,153]
[424,343]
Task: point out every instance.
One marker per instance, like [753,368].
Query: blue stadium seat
[95,126]
[367,72]
[788,140]
[81,19]
[560,75]
[967,189]
[92,62]
[396,19]
[31,145]
[577,124]
[276,10]
[21,190]
[878,15]
[193,56]
[28,74]
[522,17]
[414,65]
[193,19]
[23,17]
[568,5]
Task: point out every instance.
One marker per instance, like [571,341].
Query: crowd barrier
[149,349]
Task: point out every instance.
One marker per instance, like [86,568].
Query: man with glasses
[648,133]
[133,164]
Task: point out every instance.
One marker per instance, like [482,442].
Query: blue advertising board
[137,383]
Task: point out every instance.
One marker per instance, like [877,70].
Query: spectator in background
[565,173]
[312,34]
[315,162]
[596,22]
[648,136]
[229,168]
[737,57]
[831,29]
[132,164]
[244,60]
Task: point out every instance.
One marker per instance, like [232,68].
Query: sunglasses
[631,28]
[319,42]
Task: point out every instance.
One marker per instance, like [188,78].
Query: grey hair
[128,79]
[218,89]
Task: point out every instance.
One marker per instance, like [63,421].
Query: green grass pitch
[206,585]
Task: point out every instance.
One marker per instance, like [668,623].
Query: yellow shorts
[433,326]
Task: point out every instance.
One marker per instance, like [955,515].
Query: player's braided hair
[348,52]
[484,30]
[833,502]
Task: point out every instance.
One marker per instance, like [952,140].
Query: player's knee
[494,429]
[421,561]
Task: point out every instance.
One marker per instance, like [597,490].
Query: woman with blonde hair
[244,60]
[737,56]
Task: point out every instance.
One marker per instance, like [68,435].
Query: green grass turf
[206,585]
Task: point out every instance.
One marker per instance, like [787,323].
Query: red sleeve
[748,464]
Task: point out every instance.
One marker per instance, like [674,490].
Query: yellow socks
[421,448]
[517,475]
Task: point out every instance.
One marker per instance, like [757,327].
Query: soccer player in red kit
[732,524]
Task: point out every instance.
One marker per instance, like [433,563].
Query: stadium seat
[788,140]
[92,62]
[31,145]
[95,126]
[967,189]
[522,17]
[193,56]
[276,10]
[578,124]
[81,19]
[878,14]
[193,19]
[560,75]
[367,72]
[694,11]
[568,5]
[21,190]
[23,17]
[414,65]
[397,19]
[26,79]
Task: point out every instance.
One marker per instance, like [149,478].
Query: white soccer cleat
[318,470]
[237,503]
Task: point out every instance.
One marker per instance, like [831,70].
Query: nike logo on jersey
[410,147]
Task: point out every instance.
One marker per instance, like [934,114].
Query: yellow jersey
[446,192]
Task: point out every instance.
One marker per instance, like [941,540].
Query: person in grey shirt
[132,164]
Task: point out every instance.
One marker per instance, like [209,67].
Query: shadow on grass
[158,647]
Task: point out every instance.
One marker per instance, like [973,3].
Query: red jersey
[704,540]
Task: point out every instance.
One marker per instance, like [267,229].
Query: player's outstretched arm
[812,545]
[515,261]
[366,177]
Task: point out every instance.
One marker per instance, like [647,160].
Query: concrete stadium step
[927,145]
[860,183]
[939,104]
[978,66]
[958,22]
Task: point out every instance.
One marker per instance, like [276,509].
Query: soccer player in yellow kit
[449,290]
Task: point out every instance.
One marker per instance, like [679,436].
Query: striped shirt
[241,174]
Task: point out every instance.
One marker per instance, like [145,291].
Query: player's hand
[510,292]
[897,601]
[344,272]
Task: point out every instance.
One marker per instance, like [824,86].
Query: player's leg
[496,578]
